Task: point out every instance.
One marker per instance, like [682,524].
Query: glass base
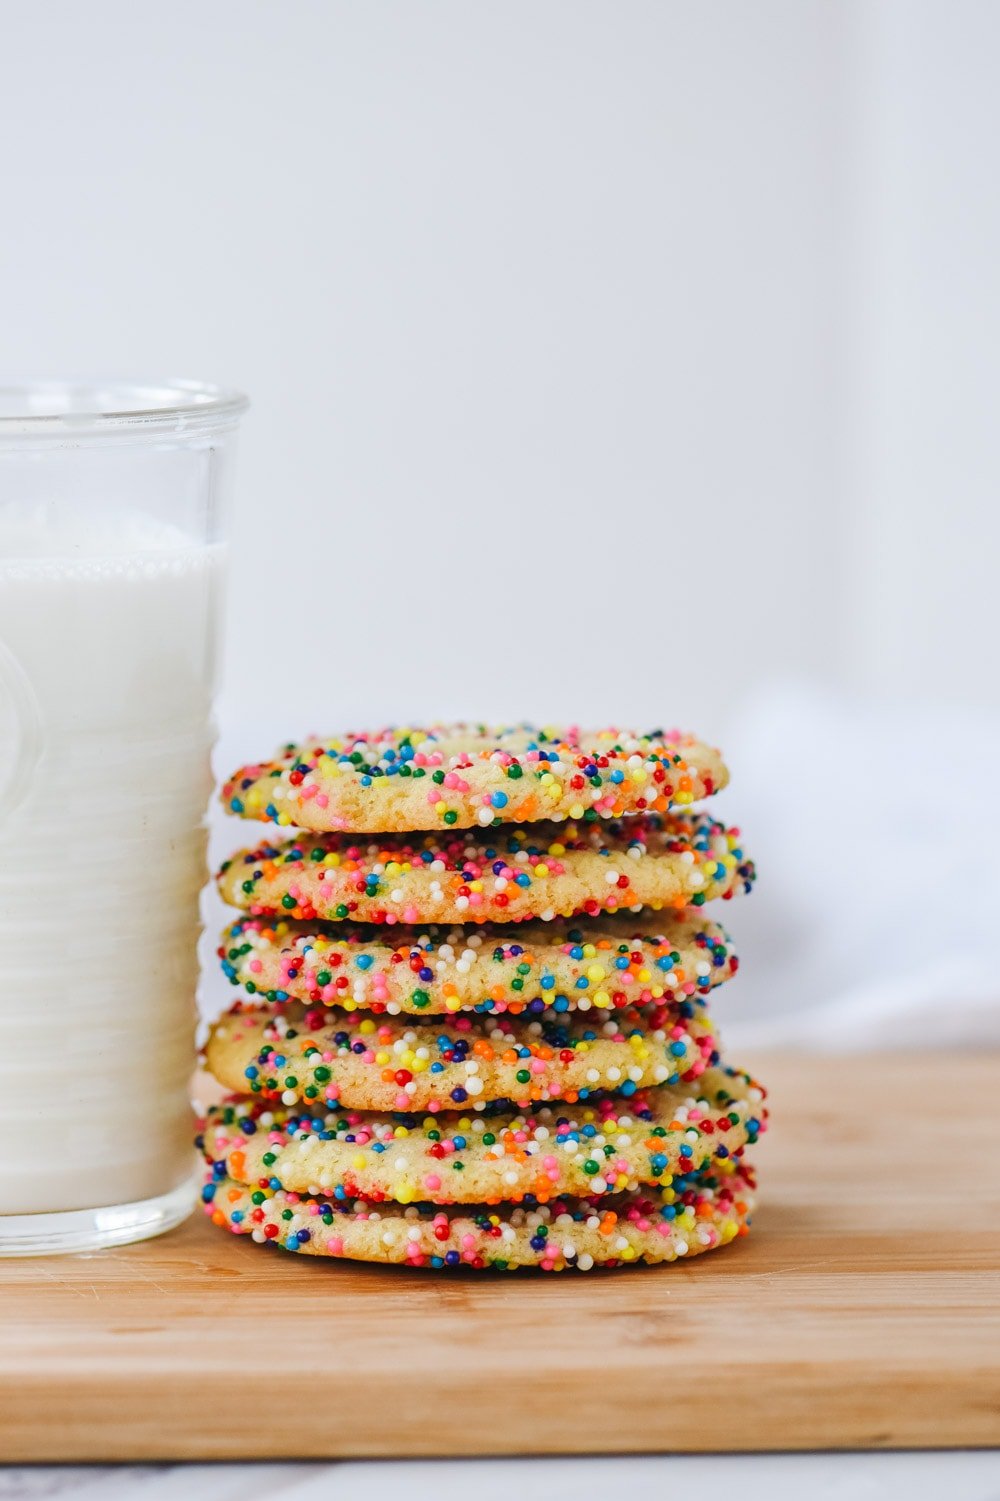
[95,1229]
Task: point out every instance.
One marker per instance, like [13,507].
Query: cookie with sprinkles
[502,875]
[697,1212]
[463,775]
[329,1057]
[608,1146]
[613,961]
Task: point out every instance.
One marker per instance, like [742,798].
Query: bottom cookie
[698,1212]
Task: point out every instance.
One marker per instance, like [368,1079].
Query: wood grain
[864,1310]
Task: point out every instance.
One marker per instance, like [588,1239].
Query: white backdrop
[630,362]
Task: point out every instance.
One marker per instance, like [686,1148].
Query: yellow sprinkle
[366,1026]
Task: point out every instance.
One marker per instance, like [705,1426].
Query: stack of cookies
[475,1028]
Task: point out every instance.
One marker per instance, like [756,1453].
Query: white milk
[103,855]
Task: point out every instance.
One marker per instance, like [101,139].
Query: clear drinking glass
[111,565]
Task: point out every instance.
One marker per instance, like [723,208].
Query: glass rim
[65,408]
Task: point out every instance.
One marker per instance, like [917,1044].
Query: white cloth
[876,830]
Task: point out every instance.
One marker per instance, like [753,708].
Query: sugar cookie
[465,774]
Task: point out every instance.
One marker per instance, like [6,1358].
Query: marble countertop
[961,1475]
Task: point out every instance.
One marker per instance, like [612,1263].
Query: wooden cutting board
[863,1310]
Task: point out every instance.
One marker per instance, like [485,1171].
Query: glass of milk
[112,497]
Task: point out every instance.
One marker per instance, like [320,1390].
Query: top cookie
[461,775]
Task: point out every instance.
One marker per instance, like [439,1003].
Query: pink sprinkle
[432,1181]
[322,801]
